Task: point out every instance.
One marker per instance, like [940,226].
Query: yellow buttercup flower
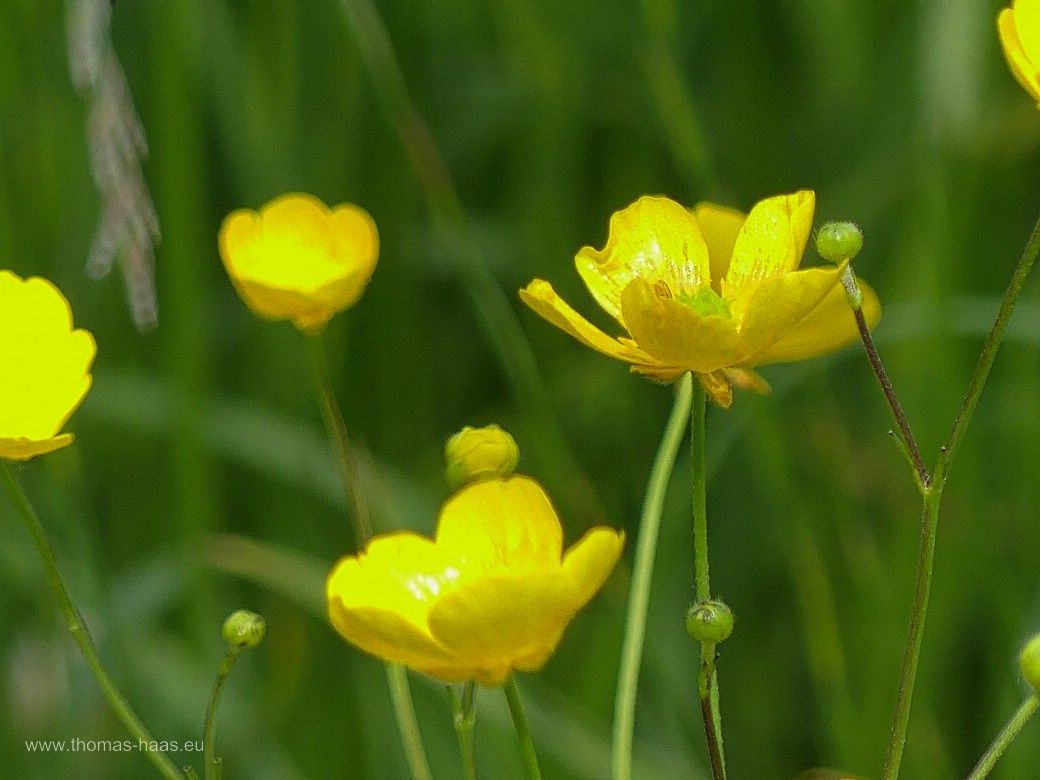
[492,593]
[709,290]
[1019,29]
[299,260]
[44,367]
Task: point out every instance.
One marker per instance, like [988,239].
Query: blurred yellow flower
[299,260]
[491,594]
[44,367]
[709,290]
[1019,29]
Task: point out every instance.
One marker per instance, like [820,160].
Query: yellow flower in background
[492,593]
[709,290]
[44,367]
[1019,29]
[297,259]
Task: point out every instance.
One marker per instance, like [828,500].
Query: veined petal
[720,226]
[676,335]
[655,239]
[590,561]
[1025,70]
[829,326]
[23,449]
[770,242]
[1027,23]
[540,296]
[494,622]
[779,303]
[500,524]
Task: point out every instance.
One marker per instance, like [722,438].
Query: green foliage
[201,480]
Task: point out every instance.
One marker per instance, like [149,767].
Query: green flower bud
[1030,663]
[244,629]
[479,453]
[710,621]
[839,241]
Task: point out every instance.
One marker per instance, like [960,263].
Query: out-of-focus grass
[549,117]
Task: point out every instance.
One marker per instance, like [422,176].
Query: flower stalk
[396,676]
[464,716]
[1004,738]
[639,595]
[212,766]
[77,627]
[528,756]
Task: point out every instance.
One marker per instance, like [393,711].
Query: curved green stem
[211,769]
[1004,738]
[707,681]
[337,430]
[639,595]
[464,715]
[528,756]
[396,675]
[932,499]
[78,629]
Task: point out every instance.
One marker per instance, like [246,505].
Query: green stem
[396,675]
[1004,738]
[932,499]
[78,629]
[464,715]
[707,681]
[337,430]
[993,340]
[528,756]
[211,769]
[407,722]
[639,595]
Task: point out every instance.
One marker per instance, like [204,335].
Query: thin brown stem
[705,684]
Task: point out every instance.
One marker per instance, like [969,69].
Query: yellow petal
[720,226]
[716,385]
[770,242]
[590,561]
[500,524]
[491,624]
[1025,70]
[674,334]
[1027,24]
[779,303]
[23,449]
[655,239]
[828,327]
[540,296]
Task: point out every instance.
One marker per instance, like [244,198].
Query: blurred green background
[549,117]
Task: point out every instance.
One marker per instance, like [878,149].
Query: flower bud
[839,241]
[1030,663]
[479,453]
[244,629]
[709,621]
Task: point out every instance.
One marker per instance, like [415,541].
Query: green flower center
[707,303]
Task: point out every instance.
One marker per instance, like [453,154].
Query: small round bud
[479,453]
[709,621]
[1030,663]
[244,629]
[839,241]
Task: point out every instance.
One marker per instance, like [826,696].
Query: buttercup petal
[779,303]
[540,297]
[720,226]
[1027,24]
[387,635]
[492,623]
[1025,70]
[590,561]
[500,525]
[23,449]
[676,335]
[655,239]
[828,327]
[771,241]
